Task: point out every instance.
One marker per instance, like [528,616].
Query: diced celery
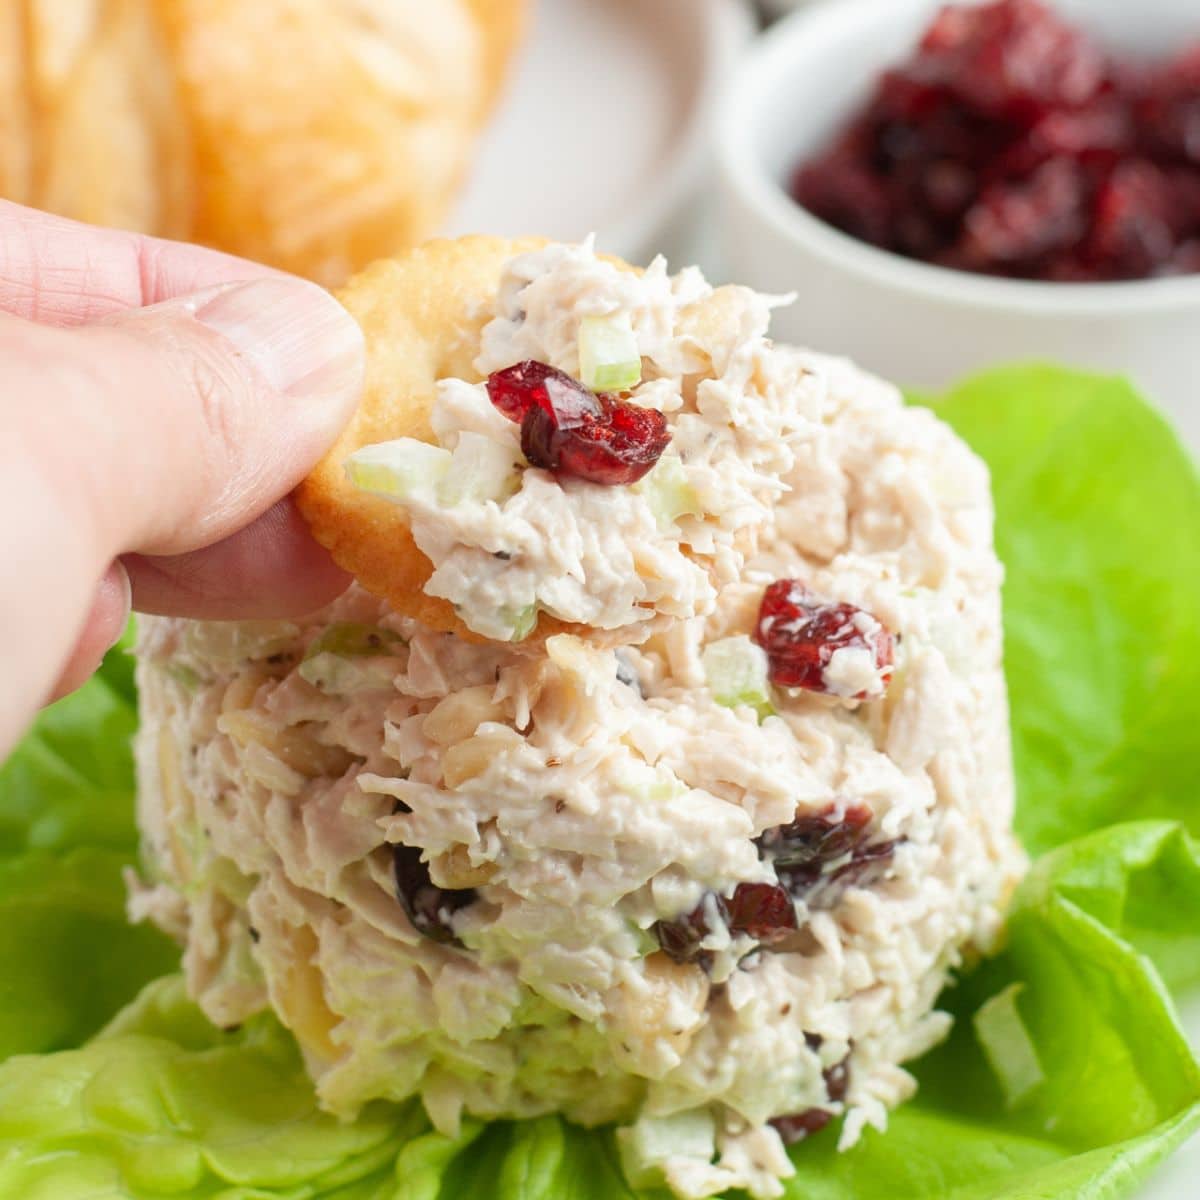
[342,676]
[404,469]
[651,1142]
[668,492]
[480,469]
[736,671]
[521,621]
[1007,1045]
[340,660]
[657,787]
[185,676]
[352,639]
[609,360]
[644,939]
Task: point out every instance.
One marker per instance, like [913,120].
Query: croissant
[314,135]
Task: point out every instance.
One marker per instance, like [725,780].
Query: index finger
[59,272]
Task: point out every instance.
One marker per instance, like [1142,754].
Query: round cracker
[422,316]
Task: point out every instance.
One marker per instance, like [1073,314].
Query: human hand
[158,402]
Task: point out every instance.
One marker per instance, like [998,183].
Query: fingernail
[115,596]
[295,333]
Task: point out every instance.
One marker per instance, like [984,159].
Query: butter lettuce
[1121,1086]
[68,957]
[1099,526]
[70,781]
[164,1105]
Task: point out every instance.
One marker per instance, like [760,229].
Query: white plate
[605,125]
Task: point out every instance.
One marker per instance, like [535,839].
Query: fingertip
[106,621]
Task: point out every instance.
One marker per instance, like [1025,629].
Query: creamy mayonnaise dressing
[598,555]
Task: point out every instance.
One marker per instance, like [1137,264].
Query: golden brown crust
[110,137]
[422,316]
[16,165]
[313,135]
[345,139]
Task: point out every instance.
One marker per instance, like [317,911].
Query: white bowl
[920,325]
[605,125]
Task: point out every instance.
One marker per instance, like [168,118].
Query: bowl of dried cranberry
[952,187]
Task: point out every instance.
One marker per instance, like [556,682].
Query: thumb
[161,430]
[201,412]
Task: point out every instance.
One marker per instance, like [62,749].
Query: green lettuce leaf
[70,781]
[163,1105]
[68,957]
[1067,1075]
[1121,1087]
[1098,525]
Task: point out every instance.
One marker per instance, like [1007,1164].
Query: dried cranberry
[515,390]
[1098,135]
[801,634]
[1185,260]
[947,133]
[798,1126]
[1140,215]
[568,429]
[680,937]
[946,188]
[904,98]
[821,887]
[867,865]
[1012,59]
[804,853]
[763,910]
[837,1079]
[428,906]
[1168,107]
[816,838]
[1009,144]
[844,191]
[617,447]
[1015,223]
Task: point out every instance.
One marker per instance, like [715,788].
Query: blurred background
[628,144]
[708,107]
[1015,180]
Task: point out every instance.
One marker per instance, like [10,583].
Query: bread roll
[313,135]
